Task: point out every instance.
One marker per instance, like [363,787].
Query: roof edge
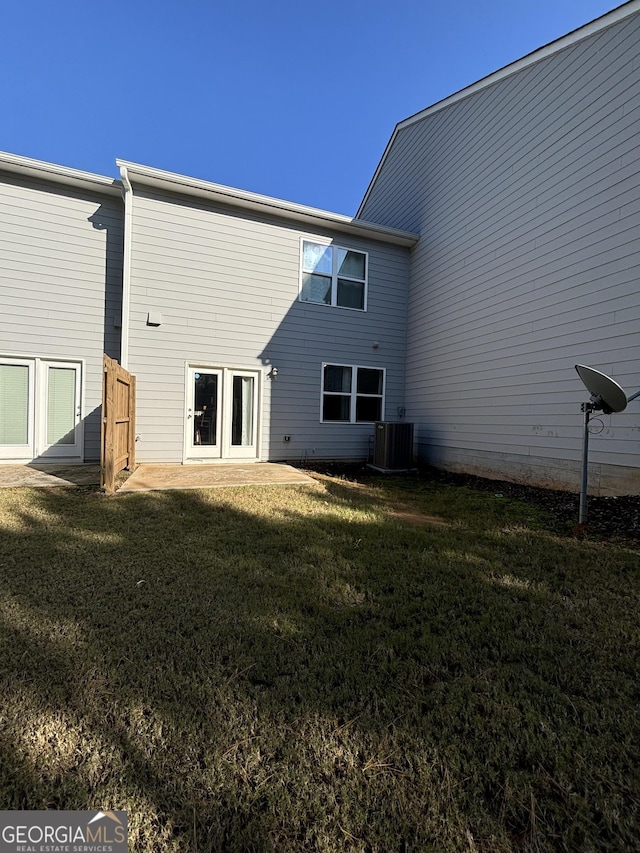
[59,174]
[573,37]
[172,182]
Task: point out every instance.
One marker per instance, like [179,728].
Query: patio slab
[157,477]
[43,476]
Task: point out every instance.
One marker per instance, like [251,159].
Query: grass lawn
[303,669]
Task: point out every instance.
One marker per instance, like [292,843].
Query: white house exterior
[243,345]
[60,294]
[496,247]
[218,317]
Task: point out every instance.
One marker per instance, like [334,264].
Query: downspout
[127,194]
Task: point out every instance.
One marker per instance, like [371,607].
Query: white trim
[265,205]
[59,174]
[203,189]
[571,38]
[334,274]
[52,452]
[191,451]
[229,450]
[38,366]
[127,192]
[353,394]
[10,452]
[224,453]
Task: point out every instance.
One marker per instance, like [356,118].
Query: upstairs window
[352,394]
[333,275]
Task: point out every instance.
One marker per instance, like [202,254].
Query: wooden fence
[118,444]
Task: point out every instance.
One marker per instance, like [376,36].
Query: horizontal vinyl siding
[227,289]
[527,199]
[60,281]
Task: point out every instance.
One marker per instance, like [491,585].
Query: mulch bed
[609,517]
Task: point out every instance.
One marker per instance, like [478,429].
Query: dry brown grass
[287,669]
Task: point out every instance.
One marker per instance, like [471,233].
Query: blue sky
[291,99]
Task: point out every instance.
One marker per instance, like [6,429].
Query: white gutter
[127,194]
[265,205]
[58,174]
[601,23]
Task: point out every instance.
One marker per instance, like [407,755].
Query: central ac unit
[392,446]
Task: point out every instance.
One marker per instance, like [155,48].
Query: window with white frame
[333,275]
[352,394]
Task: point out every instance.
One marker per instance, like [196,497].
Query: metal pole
[587,408]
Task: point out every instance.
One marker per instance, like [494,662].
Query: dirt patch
[395,510]
[418,518]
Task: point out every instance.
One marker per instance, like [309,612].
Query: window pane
[350,294]
[205,394]
[61,406]
[14,403]
[369,381]
[316,288]
[205,391]
[351,263]
[336,408]
[337,378]
[368,409]
[316,258]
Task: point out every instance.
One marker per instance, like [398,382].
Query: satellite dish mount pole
[588,409]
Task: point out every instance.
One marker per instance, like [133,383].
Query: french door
[60,413]
[221,419]
[40,410]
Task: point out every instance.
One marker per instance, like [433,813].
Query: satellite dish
[605,392]
[606,396]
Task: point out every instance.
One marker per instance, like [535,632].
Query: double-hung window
[333,275]
[352,394]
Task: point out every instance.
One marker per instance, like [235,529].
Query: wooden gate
[118,441]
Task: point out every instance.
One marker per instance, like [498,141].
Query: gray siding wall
[227,289]
[527,198]
[60,281]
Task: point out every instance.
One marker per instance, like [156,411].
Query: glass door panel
[243,408]
[61,406]
[60,412]
[242,418]
[203,413]
[16,411]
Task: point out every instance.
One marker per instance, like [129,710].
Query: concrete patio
[154,477]
[36,476]
[157,477]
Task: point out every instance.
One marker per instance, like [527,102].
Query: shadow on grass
[289,669]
